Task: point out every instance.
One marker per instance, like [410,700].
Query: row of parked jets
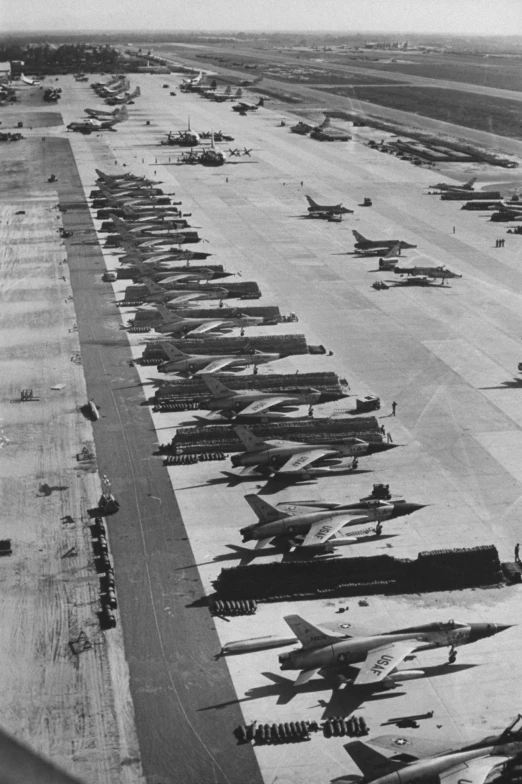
[367,663]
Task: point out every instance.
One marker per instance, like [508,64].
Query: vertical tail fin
[358,237]
[470,183]
[311,202]
[371,762]
[325,123]
[173,352]
[165,313]
[309,636]
[216,387]
[239,93]
[228,90]
[250,441]
[261,102]
[265,512]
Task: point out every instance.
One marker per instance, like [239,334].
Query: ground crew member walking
[394,406]
[389,438]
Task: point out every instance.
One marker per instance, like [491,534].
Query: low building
[5,72]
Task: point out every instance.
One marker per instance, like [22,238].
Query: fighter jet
[429,272]
[452,186]
[165,276]
[252,402]
[330,209]
[315,527]
[243,106]
[294,457]
[389,260]
[474,763]
[198,364]
[418,747]
[377,246]
[180,325]
[380,654]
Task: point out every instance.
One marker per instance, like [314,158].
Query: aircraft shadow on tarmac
[271,486]
[515,383]
[47,490]
[343,699]
[247,555]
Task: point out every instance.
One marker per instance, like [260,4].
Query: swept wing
[322,531]
[206,328]
[258,406]
[475,771]
[303,459]
[380,662]
[215,366]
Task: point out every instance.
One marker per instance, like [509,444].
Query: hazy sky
[468,17]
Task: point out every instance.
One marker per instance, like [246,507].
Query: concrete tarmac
[447,355]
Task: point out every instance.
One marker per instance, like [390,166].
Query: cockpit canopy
[444,626]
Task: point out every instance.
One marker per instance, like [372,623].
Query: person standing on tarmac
[394,406]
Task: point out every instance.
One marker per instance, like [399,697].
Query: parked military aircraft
[309,526]
[208,157]
[324,133]
[453,186]
[92,124]
[173,324]
[193,82]
[172,276]
[188,138]
[224,96]
[380,654]
[377,246]
[28,80]
[331,209]
[389,260]
[301,128]
[198,364]
[172,299]
[243,106]
[252,402]
[100,114]
[123,99]
[416,748]
[428,272]
[474,763]
[294,457]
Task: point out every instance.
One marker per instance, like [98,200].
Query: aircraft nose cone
[409,508]
[378,447]
[480,630]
